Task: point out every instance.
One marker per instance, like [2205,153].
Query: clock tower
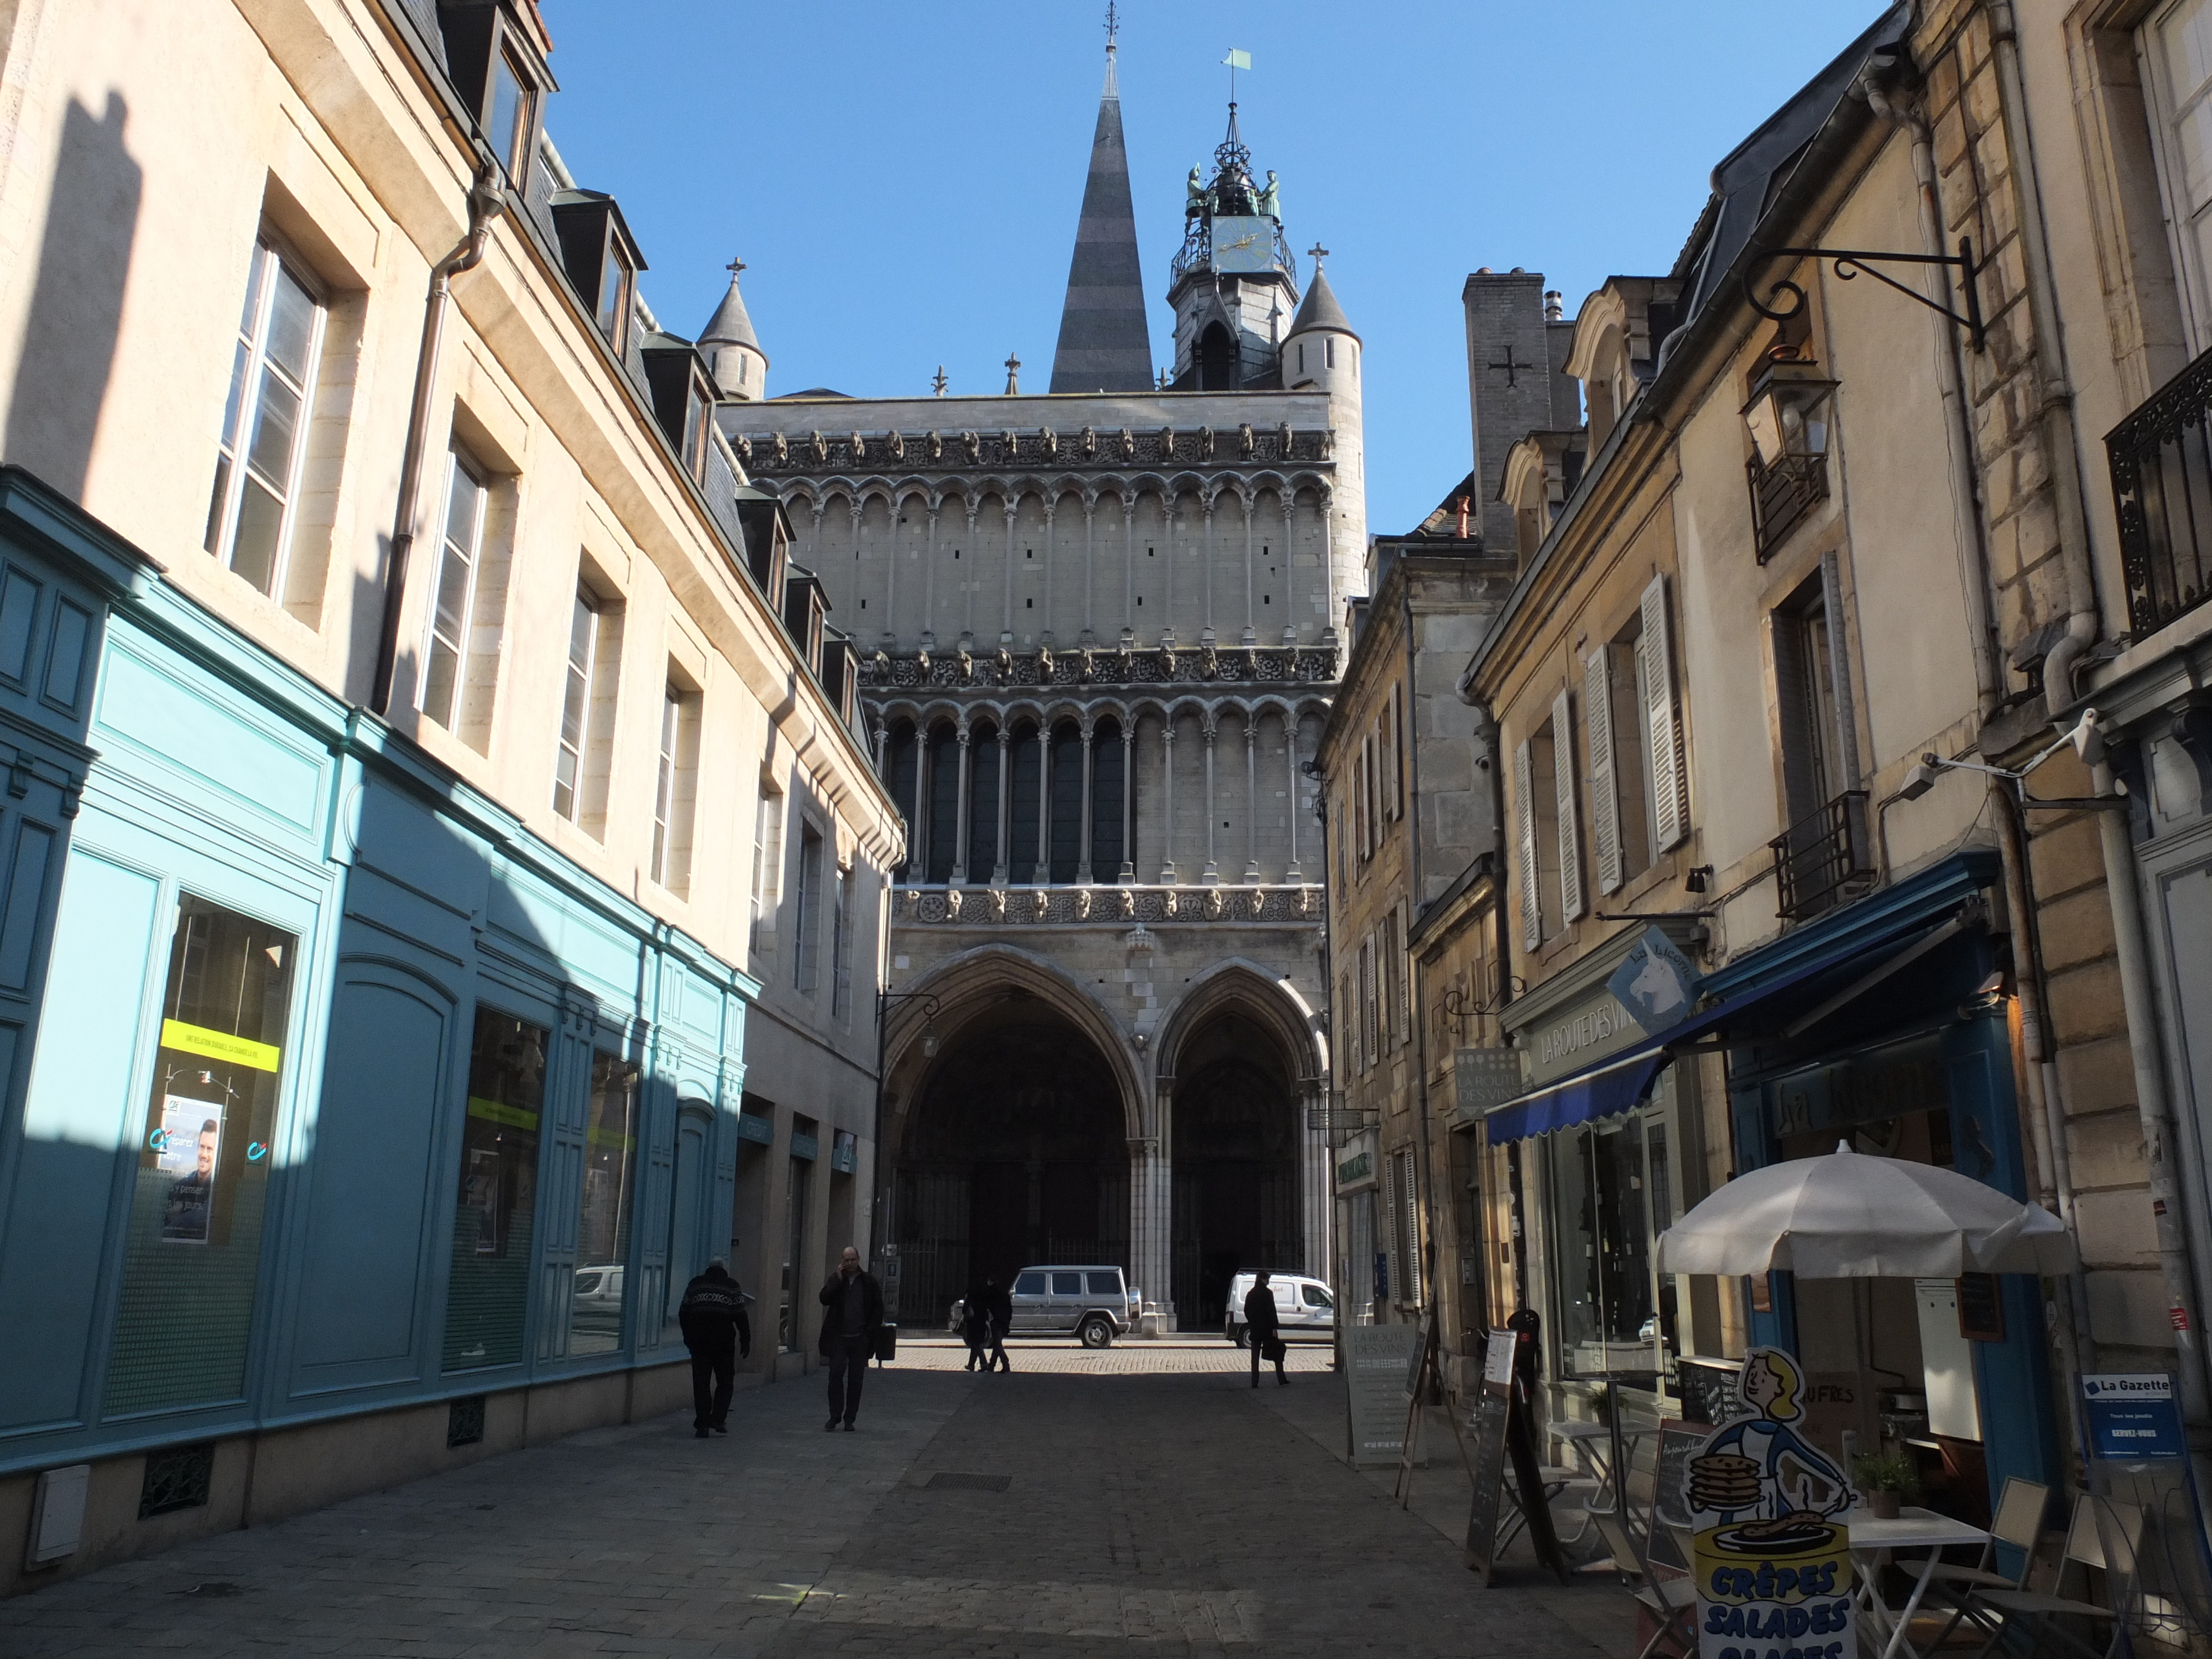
[1234,284]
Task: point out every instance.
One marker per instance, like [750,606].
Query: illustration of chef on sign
[1772,1553]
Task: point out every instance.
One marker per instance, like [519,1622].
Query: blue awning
[1623,1082]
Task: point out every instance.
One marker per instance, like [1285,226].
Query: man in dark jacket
[716,1330]
[999,1314]
[1263,1328]
[852,1315]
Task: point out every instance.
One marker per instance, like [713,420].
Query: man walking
[717,1332]
[852,1314]
[1263,1329]
[999,1315]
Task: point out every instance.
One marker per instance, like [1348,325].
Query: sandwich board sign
[1377,1358]
[1771,1550]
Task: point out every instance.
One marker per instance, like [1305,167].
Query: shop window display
[193,1251]
[495,1214]
[1600,1177]
[603,1228]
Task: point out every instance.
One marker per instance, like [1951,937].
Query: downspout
[2055,392]
[487,201]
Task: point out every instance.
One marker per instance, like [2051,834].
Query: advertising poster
[191,1141]
[1772,1551]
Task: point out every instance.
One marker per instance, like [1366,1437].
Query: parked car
[1093,1304]
[596,1301]
[1303,1307]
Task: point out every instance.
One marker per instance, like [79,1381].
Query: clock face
[1244,244]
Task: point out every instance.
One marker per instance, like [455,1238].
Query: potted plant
[1885,1480]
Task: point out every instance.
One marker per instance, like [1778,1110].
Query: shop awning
[1623,1082]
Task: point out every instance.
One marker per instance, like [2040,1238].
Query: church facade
[1096,631]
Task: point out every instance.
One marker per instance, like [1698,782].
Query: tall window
[939,832]
[840,949]
[595,1302]
[1805,696]
[903,777]
[983,850]
[1620,759]
[1065,825]
[767,868]
[460,556]
[614,297]
[2177,49]
[1536,833]
[676,788]
[1107,855]
[1022,830]
[576,703]
[495,1214]
[264,421]
[806,925]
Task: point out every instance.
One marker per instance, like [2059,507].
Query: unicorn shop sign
[1771,1550]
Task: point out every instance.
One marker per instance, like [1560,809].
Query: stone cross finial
[938,385]
[1013,376]
[1319,253]
[734,266]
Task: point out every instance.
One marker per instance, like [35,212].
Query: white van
[1303,1307]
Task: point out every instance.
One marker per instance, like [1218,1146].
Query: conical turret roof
[1104,343]
[730,325]
[1319,309]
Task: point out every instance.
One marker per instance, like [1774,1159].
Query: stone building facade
[1097,633]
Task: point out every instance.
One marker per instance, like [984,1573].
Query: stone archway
[1013,1152]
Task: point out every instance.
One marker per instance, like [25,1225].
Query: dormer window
[697,425]
[615,279]
[513,110]
[497,62]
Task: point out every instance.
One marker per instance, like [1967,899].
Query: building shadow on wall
[77,308]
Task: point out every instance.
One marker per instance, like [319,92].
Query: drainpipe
[2153,1104]
[486,202]
[2055,392]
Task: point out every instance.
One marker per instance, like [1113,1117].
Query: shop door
[686,1200]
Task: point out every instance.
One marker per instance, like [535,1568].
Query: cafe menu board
[1670,1494]
[1486,1456]
[1772,1555]
[1375,1360]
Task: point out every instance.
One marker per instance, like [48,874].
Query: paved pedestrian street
[1143,1500]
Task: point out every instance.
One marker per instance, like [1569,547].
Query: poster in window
[191,1142]
[480,1199]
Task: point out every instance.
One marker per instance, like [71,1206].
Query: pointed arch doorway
[1236,1155]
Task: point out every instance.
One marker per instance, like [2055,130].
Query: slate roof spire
[1105,344]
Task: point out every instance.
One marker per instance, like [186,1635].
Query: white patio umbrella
[1851,1215]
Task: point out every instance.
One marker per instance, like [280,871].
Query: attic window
[514,108]
[615,279]
[696,428]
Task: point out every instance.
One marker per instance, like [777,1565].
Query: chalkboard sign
[1487,1454]
[1375,1361]
[1670,1487]
[1707,1388]
[1981,1310]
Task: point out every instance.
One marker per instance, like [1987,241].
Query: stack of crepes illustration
[1725,1483]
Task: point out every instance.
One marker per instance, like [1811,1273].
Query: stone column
[1129,561]
[882,744]
[1006,803]
[1151,1259]
[1090,516]
[1251,798]
[1051,513]
[1318,1174]
[929,593]
[1167,799]
[1206,634]
[1082,853]
[967,586]
[1291,872]
[1290,568]
[960,815]
[1128,871]
[1209,727]
[1251,636]
[1328,562]
[1043,875]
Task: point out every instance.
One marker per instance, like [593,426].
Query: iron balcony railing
[1781,495]
[2161,460]
[1821,860]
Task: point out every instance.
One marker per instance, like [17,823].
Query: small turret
[1321,350]
[731,349]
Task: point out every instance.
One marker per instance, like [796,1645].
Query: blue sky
[902,180]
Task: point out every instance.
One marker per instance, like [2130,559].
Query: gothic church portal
[1097,641]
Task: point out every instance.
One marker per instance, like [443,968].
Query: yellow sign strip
[493,1111]
[220,1045]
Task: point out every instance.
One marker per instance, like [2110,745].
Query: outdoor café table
[1604,1445]
[1872,1541]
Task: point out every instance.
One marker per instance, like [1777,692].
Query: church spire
[1105,344]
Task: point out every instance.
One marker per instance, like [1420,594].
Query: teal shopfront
[329,1088]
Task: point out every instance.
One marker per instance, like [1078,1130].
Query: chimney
[1466,505]
[1555,308]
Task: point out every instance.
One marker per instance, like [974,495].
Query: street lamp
[1788,414]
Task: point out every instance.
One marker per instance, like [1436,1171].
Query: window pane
[1315,1296]
[192,1254]
[216,501]
[291,327]
[493,1216]
[507,112]
[249,319]
[610,295]
[1067,1283]
[1105,1284]
[276,427]
[236,395]
[438,682]
[1029,1285]
[464,501]
[603,1227]
[260,524]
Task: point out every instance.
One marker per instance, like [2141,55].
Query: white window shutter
[1605,798]
[1405,974]
[1524,837]
[1570,835]
[1397,750]
[1669,812]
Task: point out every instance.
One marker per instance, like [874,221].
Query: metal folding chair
[2042,1613]
[1670,1598]
[2019,1522]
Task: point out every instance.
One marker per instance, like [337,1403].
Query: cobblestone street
[1144,1500]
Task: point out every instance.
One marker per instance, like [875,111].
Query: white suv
[1303,1307]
